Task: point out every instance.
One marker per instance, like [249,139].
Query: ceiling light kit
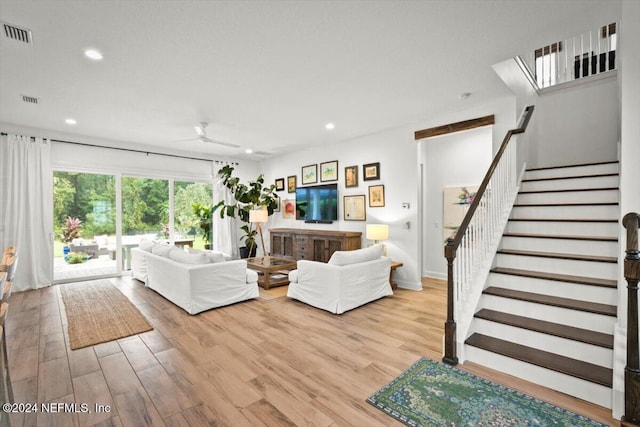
[202,136]
[248,151]
[329,126]
[93,54]
[70,121]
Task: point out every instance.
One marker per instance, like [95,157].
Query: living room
[263,110]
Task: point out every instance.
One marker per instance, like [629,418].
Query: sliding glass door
[85,225]
[86,220]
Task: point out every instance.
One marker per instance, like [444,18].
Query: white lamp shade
[258,215]
[377,232]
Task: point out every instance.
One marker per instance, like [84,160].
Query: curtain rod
[137,151]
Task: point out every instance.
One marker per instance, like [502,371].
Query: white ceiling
[267,75]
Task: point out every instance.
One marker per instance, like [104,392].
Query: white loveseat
[349,280]
[193,281]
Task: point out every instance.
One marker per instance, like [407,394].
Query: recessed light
[70,121]
[464,95]
[93,54]
[329,126]
[248,151]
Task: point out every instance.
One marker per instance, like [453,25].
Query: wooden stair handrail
[452,244]
[631,221]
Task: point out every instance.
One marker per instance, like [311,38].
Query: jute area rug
[431,393]
[98,312]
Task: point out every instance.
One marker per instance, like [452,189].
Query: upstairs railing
[587,54]
[483,223]
[631,221]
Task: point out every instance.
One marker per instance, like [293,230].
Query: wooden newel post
[450,355]
[631,221]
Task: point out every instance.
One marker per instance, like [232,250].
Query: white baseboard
[404,284]
[435,275]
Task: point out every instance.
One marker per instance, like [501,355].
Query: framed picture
[354,208]
[376,196]
[351,176]
[291,184]
[371,171]
[279,184]
[277,208]
[289,209]
[329,171]
[309,174]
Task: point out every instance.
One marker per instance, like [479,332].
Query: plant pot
[65,251]
[244,252]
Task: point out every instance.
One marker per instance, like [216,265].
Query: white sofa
[349,280]
[191,282]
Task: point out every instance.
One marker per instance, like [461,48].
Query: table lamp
[378,232]
[259,216]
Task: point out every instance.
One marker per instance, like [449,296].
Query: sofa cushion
[179,255]
[214,256]
[161,249]
[357,256]
[146,245]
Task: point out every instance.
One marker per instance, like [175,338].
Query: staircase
[548,310]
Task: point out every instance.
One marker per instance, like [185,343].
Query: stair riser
[563,316]
[598,229]
[566,212]
[570,183]
[595,196]
[562,346]
[563,246]
[574,171]
[597,294]
[582,389]
[600,270]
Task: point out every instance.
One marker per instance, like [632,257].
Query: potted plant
[205,221]
[253,195]
[70,230]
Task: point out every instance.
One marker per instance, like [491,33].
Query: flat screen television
[317,203]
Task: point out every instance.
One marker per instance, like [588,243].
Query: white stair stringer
[586,390]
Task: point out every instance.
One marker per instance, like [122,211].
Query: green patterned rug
[431,393]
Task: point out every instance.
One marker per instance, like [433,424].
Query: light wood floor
[265,362]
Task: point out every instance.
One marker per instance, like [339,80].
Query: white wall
[396,151]
[575,125]
[457,159]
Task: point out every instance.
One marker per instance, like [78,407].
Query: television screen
[318,203]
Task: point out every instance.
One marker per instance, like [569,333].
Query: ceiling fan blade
[187,140]
[228,144]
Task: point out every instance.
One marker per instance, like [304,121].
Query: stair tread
[573,166]
[524,205]
[566,365]
[557,255]
[555,178]
[572,304]
[568,190]
[564,219]
[558,236]
[576,334]
[557,277]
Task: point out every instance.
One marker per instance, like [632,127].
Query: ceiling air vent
[16,33]
[30,99]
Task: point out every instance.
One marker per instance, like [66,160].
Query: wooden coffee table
[272,271]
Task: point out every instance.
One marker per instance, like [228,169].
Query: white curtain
[26,208]
[225,230]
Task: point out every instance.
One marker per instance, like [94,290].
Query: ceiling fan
[202,136]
